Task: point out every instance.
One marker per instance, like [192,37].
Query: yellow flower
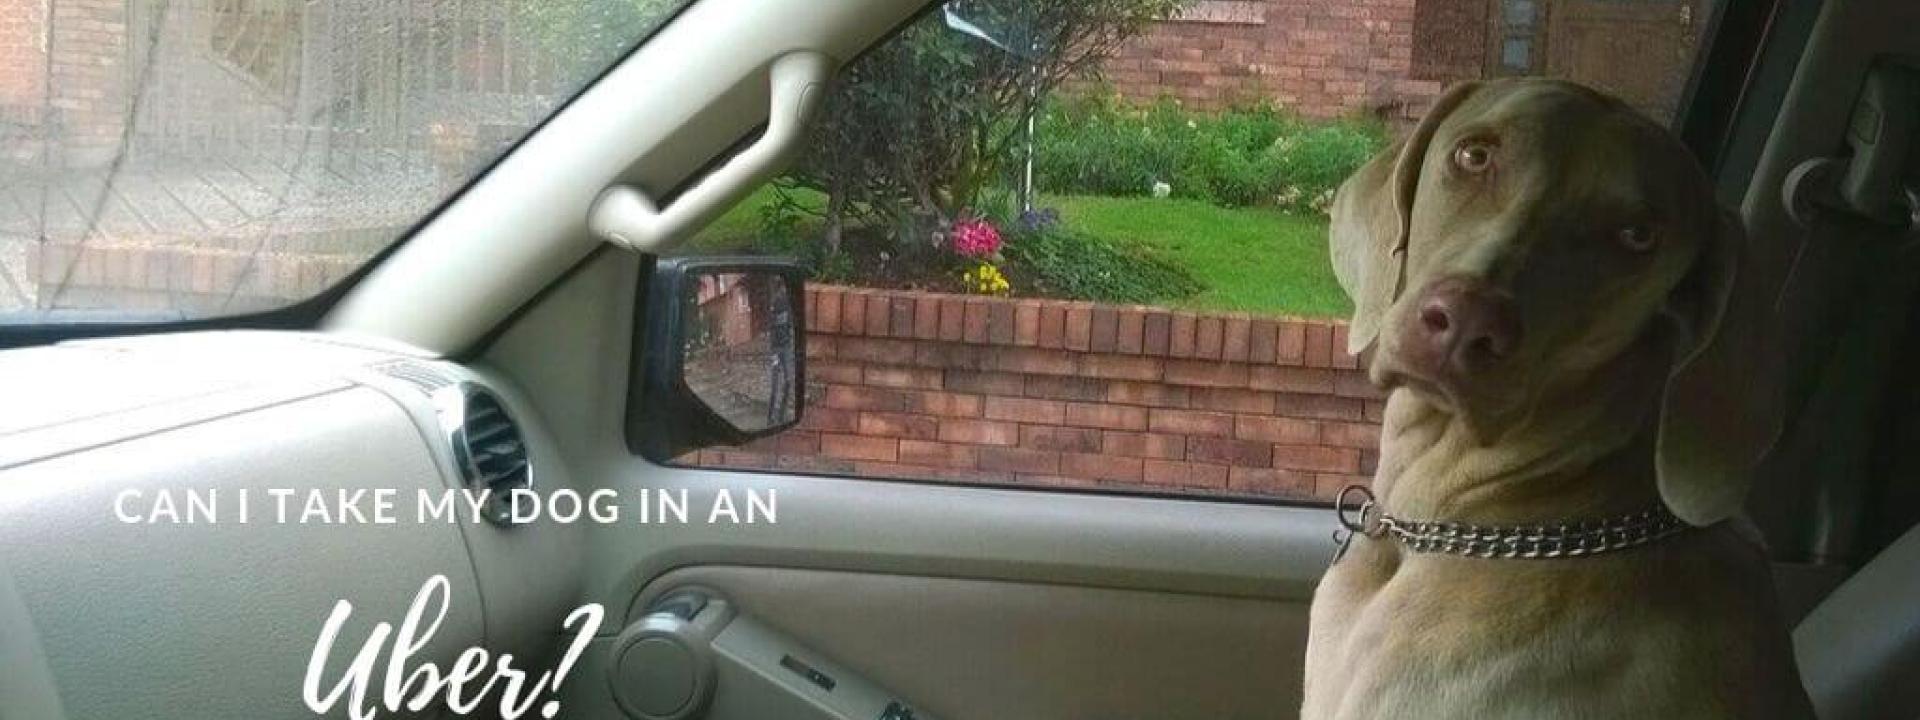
[985,279]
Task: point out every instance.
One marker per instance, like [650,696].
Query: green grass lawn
[733,231]
[1250,260]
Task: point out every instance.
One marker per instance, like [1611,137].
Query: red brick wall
[80,94]
[23,59]
[90,77]
[1450,40]
[1320,58]
[1055,393]
[726,308]
[208,280]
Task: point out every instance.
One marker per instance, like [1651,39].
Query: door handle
[625,216]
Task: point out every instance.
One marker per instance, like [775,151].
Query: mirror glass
[739,348]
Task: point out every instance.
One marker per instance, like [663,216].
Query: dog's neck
[1586,454]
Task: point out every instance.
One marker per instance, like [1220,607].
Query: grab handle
[625,216]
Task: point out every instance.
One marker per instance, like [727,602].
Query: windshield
[183,159]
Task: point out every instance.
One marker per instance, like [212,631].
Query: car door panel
[972,601]
[969,648]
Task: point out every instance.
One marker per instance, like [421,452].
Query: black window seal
[1724,75]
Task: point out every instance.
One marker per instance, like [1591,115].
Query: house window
[1517,54]
[261,40]
[1519,21]
[1225,12]
[1519,13]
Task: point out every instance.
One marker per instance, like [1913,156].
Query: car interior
[527,334]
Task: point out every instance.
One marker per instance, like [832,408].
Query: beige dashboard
[156,530]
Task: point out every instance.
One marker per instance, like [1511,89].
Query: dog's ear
[1372,214]
[1713,426]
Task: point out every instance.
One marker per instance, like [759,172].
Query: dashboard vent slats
[489,449]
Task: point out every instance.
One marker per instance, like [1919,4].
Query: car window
[183,159]
[1158,314]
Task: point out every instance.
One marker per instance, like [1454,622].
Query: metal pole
[1033,110]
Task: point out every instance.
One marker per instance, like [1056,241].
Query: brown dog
[1533,267]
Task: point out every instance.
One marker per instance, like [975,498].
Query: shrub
[1058,263]
[1256,155]
[1044,258]
[1038,256]
[568,29]
[1314,163]
[923,123]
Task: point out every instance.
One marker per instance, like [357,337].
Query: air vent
[487,446]
[427,378]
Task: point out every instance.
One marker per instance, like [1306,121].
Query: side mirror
[721,360]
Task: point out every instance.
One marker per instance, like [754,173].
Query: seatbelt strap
[1858,274]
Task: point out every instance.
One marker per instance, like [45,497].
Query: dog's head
[1526,237]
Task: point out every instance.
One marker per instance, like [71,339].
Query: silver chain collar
[1526,542]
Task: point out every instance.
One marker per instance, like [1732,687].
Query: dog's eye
[1638,238]
[1474,156]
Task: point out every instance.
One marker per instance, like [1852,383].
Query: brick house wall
[90,78]
[1390,58]
[69,68]
[1320,58]
[23,73]
[23,56]
[1056,393]
[1450,40]
[64,75]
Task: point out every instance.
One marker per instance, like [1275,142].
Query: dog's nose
[1468,326]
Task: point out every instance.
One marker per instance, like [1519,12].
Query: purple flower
[1040,220]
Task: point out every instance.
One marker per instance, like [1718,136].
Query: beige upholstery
[1859,651]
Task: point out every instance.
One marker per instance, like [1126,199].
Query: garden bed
[1150,205]
[1257,260]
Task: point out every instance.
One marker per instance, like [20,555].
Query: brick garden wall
[221,278]
[1038,392]
[1320,58]
[957,388]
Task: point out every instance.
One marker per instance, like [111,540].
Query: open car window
[187,159]
[1084,244]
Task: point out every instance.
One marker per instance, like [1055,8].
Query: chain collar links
[1359,514]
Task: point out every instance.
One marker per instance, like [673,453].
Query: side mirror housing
[722,354]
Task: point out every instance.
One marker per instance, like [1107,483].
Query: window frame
[1708,82]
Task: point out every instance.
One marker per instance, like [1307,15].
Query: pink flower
[975,238]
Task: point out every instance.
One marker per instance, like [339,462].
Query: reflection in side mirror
[721,360]
[738,353]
